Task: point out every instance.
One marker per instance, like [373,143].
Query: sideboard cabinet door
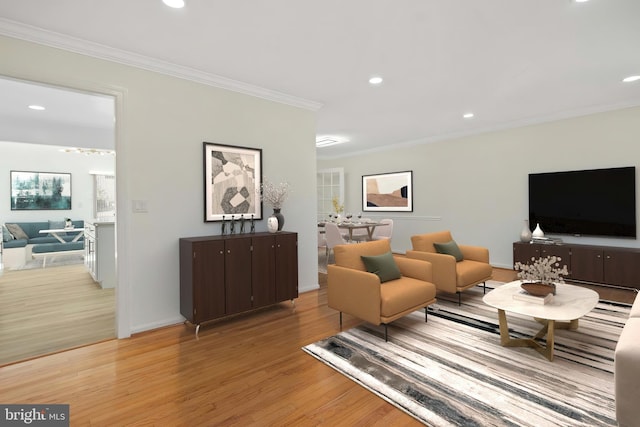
[622,268]
[559,251]
[202,288]
[237,275]
[286,267]
[586,264]
[263,281]
[523,252]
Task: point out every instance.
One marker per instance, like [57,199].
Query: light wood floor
[248,370]
[49,309]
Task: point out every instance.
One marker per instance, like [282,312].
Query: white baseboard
[307,288]
[157,325]
[500,265]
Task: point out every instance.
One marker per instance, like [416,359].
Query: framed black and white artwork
[232,178]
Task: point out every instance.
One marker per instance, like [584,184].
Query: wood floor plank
[249,370]
[245,371]
[51,309]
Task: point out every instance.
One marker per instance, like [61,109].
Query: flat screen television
[597,202]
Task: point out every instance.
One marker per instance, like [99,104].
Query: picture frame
[40,190]
[388,192]
[232,179]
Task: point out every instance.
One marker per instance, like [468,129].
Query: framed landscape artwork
[232,177]
[388,192]
[40,191]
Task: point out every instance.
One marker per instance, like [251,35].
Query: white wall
[477,186]
[162,122]
[42,158]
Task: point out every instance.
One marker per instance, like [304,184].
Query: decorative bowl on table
[538,289]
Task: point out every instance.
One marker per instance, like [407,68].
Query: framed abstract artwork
[388,192]
[232,178]
[40,191]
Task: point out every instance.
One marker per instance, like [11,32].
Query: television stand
[608,265]
[546,240]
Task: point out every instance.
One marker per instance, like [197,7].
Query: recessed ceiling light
[468,115]
[176,4]
[581,1]
[326,141]
[631,79]
[36,107]
[375,80]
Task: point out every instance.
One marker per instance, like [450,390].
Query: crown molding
[33,34]
[514,124]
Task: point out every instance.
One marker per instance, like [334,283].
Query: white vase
[272,224]
[537,232]
[525,234]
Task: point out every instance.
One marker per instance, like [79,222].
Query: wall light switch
[139,206]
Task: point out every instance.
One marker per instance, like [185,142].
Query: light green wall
[477,186]
[161,125]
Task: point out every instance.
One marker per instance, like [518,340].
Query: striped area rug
[452,370]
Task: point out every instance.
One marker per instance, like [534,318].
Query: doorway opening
[49,300]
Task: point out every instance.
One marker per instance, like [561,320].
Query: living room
[57,318]
[475,185]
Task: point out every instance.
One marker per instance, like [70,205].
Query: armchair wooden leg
[459,298]
[340,320]
[426,311]
[386,336]
[484,287]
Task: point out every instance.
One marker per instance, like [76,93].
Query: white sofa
[627,370]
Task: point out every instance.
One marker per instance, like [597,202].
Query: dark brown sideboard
[225,275]
[607,265]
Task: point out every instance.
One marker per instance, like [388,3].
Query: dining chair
[385,231]
[322,242]
[333,237]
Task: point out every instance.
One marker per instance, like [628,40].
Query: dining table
[370,226]
[56,232]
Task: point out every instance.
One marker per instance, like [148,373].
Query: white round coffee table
[568,305]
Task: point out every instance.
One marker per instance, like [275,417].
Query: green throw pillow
[449,248]
[382,265]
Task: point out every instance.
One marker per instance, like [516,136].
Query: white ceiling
[511,62]
[70,118]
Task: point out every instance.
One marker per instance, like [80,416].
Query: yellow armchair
[450,275]
[353,290]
